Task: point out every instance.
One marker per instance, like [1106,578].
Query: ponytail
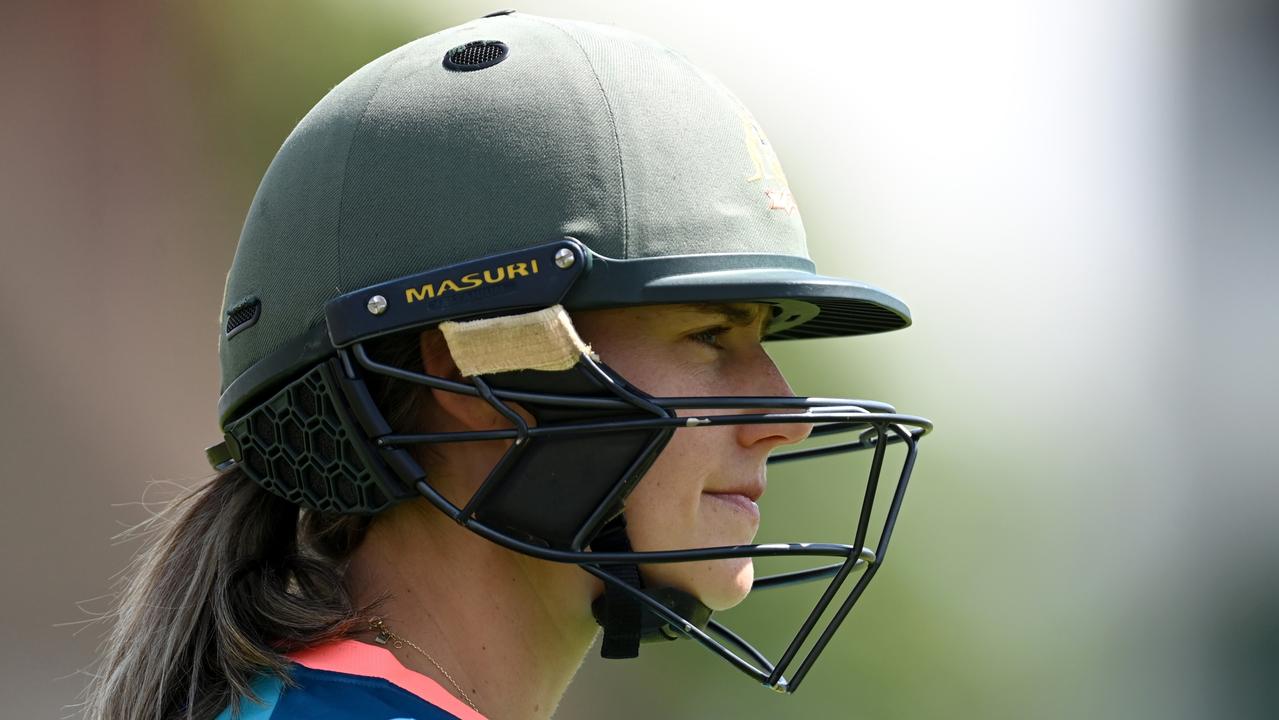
[232,578]
[220,593]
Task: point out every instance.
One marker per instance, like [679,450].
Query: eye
[710,336]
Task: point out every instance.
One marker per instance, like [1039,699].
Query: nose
[767,381]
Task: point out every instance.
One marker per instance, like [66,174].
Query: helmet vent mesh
[842,317]
[297,446]
[476,55]
[243,315]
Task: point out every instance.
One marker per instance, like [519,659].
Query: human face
[702,490]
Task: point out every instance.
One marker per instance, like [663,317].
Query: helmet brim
[808,305]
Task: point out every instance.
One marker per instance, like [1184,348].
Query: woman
[493,378]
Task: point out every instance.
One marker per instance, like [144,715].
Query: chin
[725,583]
[718,584]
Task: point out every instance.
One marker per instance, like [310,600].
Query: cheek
[678,379]
[667,511]
[662,509]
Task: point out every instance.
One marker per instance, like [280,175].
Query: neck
[510,629]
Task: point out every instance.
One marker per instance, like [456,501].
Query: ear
[456,411]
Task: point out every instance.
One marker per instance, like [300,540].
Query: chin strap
[617,611]
[625,620]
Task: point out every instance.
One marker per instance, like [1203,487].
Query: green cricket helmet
[510,169]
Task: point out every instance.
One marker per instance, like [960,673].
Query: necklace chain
[384,635]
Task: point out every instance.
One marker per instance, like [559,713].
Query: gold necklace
[385,635]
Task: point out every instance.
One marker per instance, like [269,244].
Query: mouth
[752,490]
[741,494]
[738,502]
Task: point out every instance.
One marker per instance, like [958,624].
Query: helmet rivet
[565,258]
[377,305]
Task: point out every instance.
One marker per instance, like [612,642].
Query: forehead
[734,313]
[737,313]
[659,317]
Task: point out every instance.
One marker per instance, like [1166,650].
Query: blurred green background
[1079,201]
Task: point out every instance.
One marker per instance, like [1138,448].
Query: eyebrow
[738,315]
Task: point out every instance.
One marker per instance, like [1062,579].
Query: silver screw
[377,305]
[565,258]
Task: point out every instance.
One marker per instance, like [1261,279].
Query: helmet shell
[582,130]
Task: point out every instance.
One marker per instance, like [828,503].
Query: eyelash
[709,336]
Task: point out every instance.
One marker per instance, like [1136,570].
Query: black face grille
[243,315]
[476,55]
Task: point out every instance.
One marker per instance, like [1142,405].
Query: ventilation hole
[294,438]
[286,477]
[841,318]
[316,487]
[284,473]
[348,456]
[476,55]
[257,463]
[313,477]
[348,494]
[242,316]
[305,399]
[322,444]
[264,429]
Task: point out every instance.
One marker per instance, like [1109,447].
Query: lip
[737,501]
[752,491]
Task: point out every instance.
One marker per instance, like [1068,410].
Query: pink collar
[356,658]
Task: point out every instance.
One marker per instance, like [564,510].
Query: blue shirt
[350,680]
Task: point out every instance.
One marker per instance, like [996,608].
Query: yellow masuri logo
[471,281]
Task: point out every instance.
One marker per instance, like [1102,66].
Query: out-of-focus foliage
[257,68]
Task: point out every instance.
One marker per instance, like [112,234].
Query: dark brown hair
[232,578]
